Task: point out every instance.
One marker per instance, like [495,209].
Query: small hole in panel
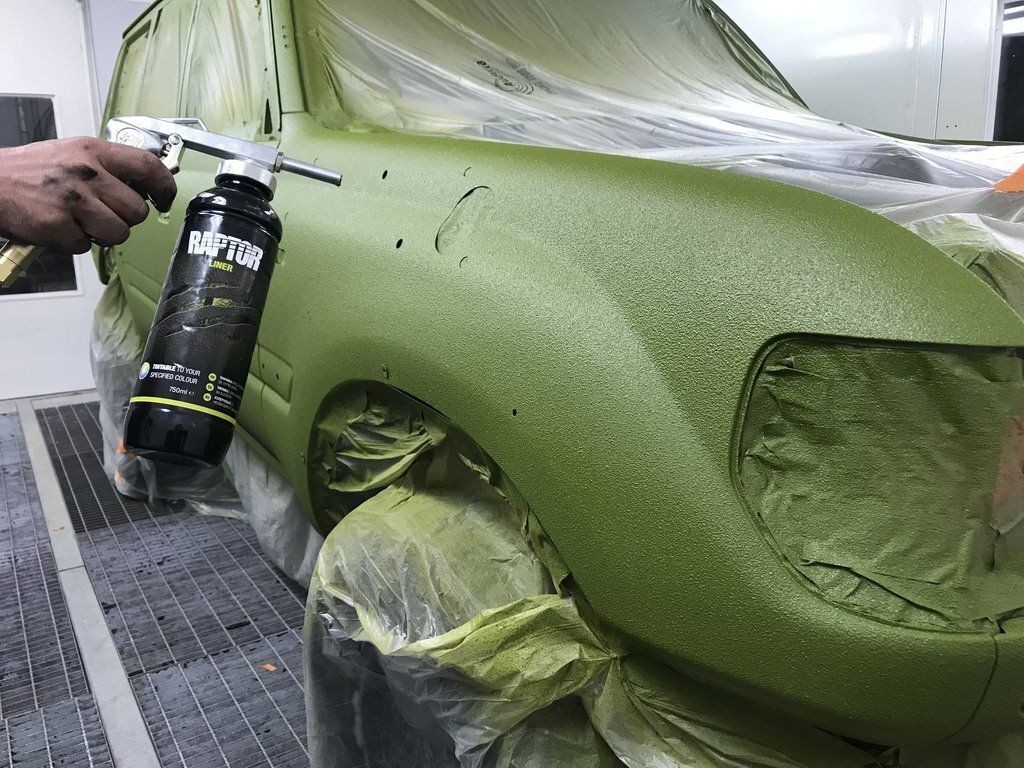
[399,243]
[384,175]
[515,412]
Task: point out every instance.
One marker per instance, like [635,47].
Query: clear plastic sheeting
[164,63]
[986,246]
[245,487]
[204,59]
[672,80]
[274,511]
[226,82]
[360,448]
[128,80]
[435,635]
[935,544]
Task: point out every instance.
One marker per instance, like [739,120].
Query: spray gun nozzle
[168,138]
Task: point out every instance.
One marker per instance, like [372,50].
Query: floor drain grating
[193,606]
[41,665]
[73,439]
[46,714]
[68,734]
[231,689]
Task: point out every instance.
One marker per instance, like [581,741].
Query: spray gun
[168,139]
[197,356]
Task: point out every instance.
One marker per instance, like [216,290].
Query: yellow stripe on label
[190,406]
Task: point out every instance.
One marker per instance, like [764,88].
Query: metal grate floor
[75,434]
[46,714]
[206,627]
[68,734]
[231,689]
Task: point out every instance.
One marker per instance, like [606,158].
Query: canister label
[204,332]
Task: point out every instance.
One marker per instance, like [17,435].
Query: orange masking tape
[1012,183]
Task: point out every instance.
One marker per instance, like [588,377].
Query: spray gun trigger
[171,155]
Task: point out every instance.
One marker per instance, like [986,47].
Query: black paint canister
[197,357]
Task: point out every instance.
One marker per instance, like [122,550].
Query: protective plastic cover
[436,636]
[442,630]
[673,80]
[203,59]
[245,486]
[227,76]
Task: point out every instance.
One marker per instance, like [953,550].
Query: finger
[141,170]
[124,201]
[100,223]
[66,238]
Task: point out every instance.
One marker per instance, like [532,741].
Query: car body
[595,322]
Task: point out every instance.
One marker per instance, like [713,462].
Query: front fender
[590,321]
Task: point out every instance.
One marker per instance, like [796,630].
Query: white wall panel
[44,339]
[969,72]
[917,67]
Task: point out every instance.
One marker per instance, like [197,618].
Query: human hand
[68,193]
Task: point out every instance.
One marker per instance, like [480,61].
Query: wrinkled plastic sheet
[165,62]
[890,479]
[203,59]
[226,83]
[672,80]
[435,634]
[244,487]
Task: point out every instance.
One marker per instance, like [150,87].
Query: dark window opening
[1010,94]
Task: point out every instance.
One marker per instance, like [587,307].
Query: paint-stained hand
[67,194]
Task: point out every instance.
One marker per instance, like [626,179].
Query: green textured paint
[889,477]
[593,331]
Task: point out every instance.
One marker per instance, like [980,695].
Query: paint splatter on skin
[81,171]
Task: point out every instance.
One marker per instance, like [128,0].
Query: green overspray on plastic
[431,607]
